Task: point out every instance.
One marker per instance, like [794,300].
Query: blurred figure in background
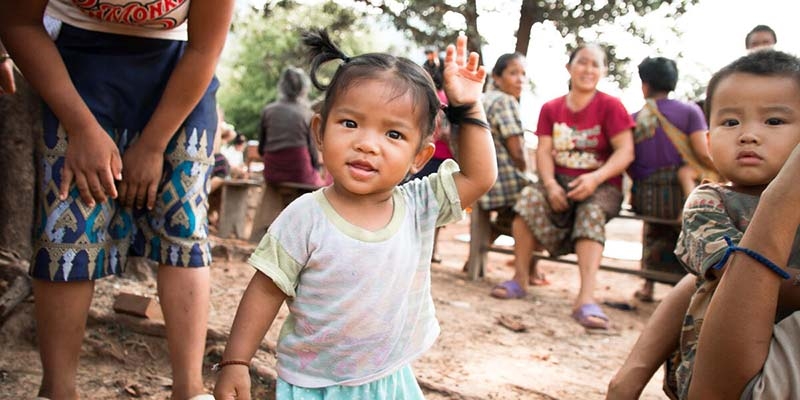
[286,143]
[762,37]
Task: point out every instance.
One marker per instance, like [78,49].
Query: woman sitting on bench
[585,143]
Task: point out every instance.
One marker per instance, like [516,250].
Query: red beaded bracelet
[218,366]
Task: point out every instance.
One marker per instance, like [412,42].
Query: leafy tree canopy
[437,22]
[263,41]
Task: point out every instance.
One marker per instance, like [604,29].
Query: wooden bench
[233,207]
[275,197]
[481,229]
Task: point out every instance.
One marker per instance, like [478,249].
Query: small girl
[352,260]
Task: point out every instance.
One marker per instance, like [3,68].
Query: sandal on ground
[643,296]
[588,315]
[510,290]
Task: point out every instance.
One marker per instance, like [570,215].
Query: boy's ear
[316,129]
[423,156]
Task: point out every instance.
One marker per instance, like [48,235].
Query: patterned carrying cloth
[121,79]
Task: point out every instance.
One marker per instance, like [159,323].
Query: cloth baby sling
[681,142]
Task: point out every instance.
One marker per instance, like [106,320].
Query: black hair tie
[457,115]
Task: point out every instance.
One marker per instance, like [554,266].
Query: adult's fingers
[152,194]
[66,180]
[141,196]
[122,196]
[96,188]
[106,180]
[130,192]
[83,189]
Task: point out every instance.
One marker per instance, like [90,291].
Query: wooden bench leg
[479,231]
[232,215]
[269,208]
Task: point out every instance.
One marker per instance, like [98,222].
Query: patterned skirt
[557,232]
[121,80]
[659,195]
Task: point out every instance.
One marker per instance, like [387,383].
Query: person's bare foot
[538,279]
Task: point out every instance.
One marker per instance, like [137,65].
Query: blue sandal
[512,290]
[587,314]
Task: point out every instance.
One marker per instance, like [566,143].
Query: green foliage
[262,42]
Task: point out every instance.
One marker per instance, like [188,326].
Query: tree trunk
[20,127]
[527,17]
[475,41]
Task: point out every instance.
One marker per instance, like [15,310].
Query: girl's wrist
[224,363]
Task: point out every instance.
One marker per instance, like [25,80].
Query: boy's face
[760,40]
[754,125]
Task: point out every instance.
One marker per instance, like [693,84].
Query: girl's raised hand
[463,76]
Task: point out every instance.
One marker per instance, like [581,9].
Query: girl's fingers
[461,50]
[449,53]
[472,62]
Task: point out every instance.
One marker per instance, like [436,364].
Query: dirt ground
[474,358]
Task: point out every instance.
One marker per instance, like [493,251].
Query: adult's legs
[524,244]
[184,294]
[61,309]
[589,254]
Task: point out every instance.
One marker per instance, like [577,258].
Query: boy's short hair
[659,73]
[759,28]
[761,63]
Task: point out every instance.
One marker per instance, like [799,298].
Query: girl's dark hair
[407,77]
[761,63]
[660,73]
[292,84]
[502,62]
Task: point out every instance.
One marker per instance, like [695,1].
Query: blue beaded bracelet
[758,257]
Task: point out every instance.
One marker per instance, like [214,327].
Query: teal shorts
[399,385]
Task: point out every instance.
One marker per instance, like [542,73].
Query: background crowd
[165,134]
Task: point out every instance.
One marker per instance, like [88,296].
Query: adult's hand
[556,196]
[583,186]
[92,161]
[143,169]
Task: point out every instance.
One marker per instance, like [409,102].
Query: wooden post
[479,231]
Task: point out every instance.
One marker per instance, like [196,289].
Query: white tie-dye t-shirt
[359,301]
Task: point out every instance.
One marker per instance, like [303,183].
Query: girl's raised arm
[463,84]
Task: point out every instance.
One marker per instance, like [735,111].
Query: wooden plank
[480,227]
[138,306]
